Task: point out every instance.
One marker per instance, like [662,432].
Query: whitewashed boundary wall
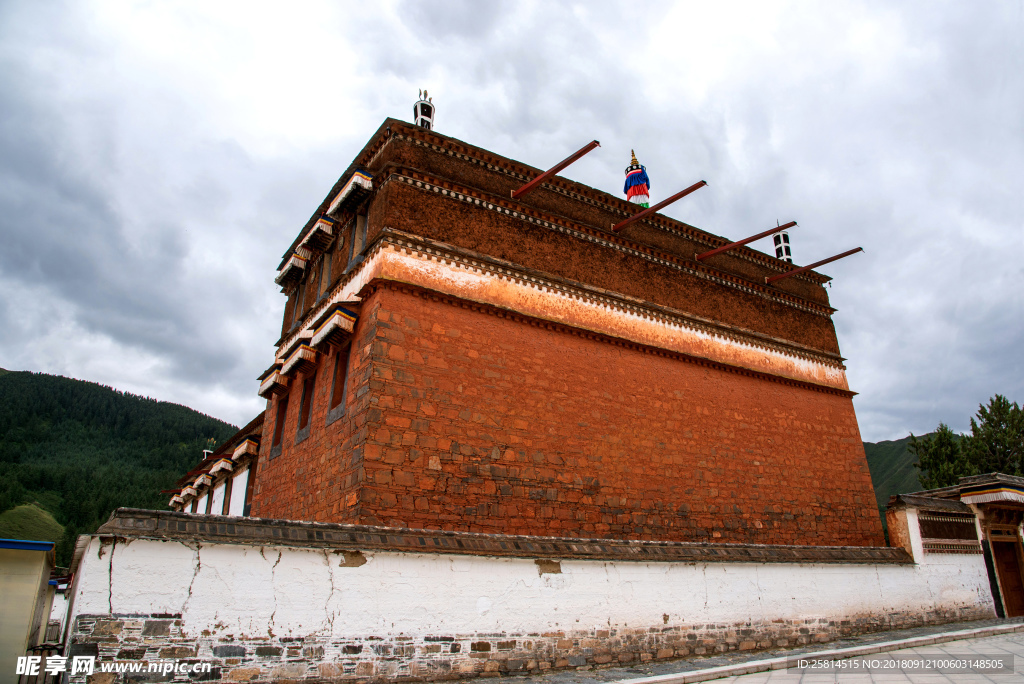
[275,600]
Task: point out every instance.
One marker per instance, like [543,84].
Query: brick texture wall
[441,218]
[464,417]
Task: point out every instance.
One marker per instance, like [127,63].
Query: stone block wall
[468,417]
[609,262]
[156,639]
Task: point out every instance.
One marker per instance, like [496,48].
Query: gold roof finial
[634,162]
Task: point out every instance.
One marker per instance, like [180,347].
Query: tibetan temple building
[452,358]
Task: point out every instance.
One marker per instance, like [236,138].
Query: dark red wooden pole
[726,248]
[660,205]
[553,170]
[816,264]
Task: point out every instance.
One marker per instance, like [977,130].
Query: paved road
[996,646]
[678,671]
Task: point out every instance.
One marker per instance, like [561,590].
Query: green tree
[996,444]
[65,549]
[940,458]
[81,450]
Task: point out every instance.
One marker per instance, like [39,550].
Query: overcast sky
[156,159]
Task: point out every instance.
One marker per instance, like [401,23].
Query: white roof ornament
[782,250]
[423,111]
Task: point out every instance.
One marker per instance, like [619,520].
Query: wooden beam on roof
[532,185]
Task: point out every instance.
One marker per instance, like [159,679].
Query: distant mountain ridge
[892,469]
[80,449]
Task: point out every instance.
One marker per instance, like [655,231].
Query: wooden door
[1007,560]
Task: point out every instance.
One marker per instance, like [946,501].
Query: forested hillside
[80,450]
[892,469]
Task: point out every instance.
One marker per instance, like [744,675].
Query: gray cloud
[454,19]
[155,161]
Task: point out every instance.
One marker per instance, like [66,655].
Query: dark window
[226,508]
[247,505]
[297,308]
[209,500]
[282,413]
[340,375]
[314,282]
[195,504]
[307,401]
[426,110]
[289,310]
[325,273]
[778,240]
[947,526]
[358,238]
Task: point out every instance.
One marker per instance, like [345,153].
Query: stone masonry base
[158,638]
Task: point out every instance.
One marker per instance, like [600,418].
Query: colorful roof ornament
[638,185]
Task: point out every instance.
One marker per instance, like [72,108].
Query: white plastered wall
[253,592]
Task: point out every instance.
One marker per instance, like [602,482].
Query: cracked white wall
[259,592]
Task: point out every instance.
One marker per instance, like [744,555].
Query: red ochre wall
[459,417]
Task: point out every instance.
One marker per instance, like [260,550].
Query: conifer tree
[995,445]
[940,458]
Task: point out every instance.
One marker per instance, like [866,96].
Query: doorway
[1006,555]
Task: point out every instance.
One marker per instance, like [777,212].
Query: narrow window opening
[293,302]
[247,506]
[282,412]
[340,375]
[209,501]
[316,281]
[300,303]
[225,509]
[325,273]
[358,239]
[307,401]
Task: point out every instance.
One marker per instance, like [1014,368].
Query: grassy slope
[28,521]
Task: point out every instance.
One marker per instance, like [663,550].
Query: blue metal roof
[26,545]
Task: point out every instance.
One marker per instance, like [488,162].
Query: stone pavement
[951,651]
[729,667]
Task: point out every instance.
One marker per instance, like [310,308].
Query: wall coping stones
[172,525]
[992,478]
[900,501]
